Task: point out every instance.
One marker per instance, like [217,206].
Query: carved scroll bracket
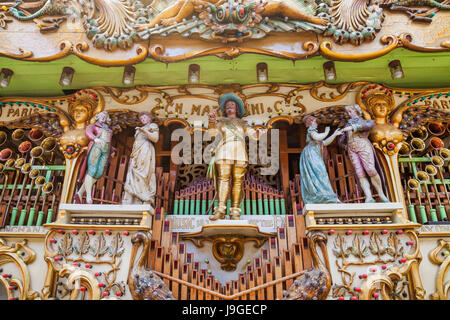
[228,239]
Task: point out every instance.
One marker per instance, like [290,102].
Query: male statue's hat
[231,96]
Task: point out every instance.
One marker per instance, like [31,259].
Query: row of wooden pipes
[423,148]
[23,165]
[260,198]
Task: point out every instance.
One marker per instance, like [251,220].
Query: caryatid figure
[231,157]
[361,152]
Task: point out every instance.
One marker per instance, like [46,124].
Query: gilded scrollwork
[227,249]
[21,256]
[391,42]
[441,257]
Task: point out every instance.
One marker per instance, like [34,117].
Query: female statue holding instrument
[140,184]
[99,151]
[314,180]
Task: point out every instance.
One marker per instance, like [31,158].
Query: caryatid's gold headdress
[370,94]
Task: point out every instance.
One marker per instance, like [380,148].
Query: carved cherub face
[80,114]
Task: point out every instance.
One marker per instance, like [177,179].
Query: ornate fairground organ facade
[223,150]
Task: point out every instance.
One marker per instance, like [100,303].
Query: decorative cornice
[327,52]
[81,47]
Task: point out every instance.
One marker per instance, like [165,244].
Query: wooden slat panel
[290,229]
[251,284]
[201,283]
[174,245]
[159,258]
[182,252]
[281,240]
[259,281]
[185,277]
[157,225]
[167,267]
[228,289]
[242,285]
[235,287]
[217,288]
[152,254]
[287,267]
[300,226]
[273,249]
[121,176]
[332,173]
[166,234]
[176,274]
[208,285]
[194,280]
[297,257]
[341,173]
[306,253]
[278,275]
[269,277]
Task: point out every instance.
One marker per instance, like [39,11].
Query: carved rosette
[19,255]
[71,150]
[84,264]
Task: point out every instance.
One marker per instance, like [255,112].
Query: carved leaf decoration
[115,245]
[391,251]
[354,251]
[75,249]
[337,253]
[365,252]
[347,252]
[99,247]
[376,245]
[66,246]
[85,247]
[392,245]
[339,291]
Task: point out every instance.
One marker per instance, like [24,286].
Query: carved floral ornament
[129,24]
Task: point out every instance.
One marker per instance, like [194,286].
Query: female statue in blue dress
[315,183]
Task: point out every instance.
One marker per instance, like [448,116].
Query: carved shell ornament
[233,21]
[112,24]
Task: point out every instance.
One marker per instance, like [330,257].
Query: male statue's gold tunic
[230,155]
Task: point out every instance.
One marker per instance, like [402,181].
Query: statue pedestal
[228,238]
[132,215]
[339,215]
